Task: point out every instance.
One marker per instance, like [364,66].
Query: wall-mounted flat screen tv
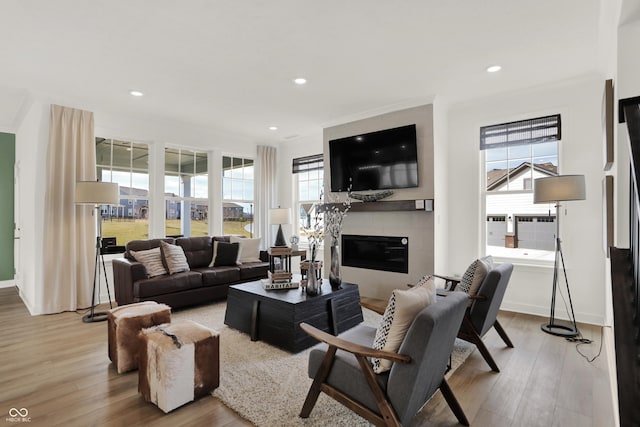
[385,159]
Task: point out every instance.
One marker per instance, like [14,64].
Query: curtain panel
[69,229]
[265,193]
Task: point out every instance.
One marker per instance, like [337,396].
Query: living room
[445,240]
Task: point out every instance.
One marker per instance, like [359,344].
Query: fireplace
[384,253]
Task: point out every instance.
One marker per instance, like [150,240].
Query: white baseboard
[537,310]
[7,283]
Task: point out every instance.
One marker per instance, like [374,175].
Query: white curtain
[69,229]
[265,193]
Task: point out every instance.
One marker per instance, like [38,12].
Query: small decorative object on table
[294,242]
[331,212]
[279,274]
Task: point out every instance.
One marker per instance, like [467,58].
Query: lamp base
[280,240]
[95,317]
[559,330]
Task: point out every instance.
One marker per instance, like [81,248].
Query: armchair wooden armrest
[350,347]
[444,293]
[450,281]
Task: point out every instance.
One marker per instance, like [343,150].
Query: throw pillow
[224,254]
[249,249]
[403,307]
[152,261]
[174,257]
[475,274]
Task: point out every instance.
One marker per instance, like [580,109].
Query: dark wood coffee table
[274,316]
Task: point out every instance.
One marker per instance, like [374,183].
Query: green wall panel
[7,160]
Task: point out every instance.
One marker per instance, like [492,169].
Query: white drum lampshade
[97,193]
[559,188]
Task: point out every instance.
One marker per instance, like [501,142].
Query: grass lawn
[125,231]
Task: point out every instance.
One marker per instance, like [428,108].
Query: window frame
[548,259]
[250,202]
[126,209]
[180,198]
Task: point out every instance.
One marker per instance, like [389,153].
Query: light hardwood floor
[57,367]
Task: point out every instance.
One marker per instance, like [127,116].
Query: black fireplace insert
[385,253]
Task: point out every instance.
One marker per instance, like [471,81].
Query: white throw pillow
[174,257]
[475,274]
[403,307]
[152,261]
[249,249]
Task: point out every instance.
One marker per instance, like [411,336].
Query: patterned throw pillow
[174,257]
[152,261]
[475,274]
[249,249]
[224,254]
[403,307]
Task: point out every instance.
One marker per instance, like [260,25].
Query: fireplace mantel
[421,205]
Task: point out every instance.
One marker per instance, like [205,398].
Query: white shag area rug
[266,385]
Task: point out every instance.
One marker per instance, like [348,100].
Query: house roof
[497,177]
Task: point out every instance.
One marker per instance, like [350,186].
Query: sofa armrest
[125,274]
[264,256]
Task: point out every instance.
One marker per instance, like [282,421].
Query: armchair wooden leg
[448,395]
[469,333]
[321,376]
[500,330]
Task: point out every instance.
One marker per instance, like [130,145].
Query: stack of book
[269,285]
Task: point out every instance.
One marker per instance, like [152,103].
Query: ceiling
[230,65]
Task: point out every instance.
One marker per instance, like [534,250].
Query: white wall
[579,103]
[440,187]
[418,226]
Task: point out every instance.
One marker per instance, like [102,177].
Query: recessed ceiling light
[300,81]
[494,68]
[136,93]
[273,127]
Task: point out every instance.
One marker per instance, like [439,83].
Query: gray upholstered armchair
[394,397]
[483,309]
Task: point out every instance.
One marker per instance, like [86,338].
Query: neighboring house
[232,210]
[513,220]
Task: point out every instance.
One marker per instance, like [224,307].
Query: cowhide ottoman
[178,363]
[125,323]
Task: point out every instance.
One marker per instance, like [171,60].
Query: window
[310,179]
[186,189]
[237,196]
[515,155]
[126,163]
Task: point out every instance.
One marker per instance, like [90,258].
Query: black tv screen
[385,159]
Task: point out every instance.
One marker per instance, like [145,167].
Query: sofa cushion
[174,258]
[402,308]
[152,261]
[249,249]
[253,270]
[143,245]
[167,284]
[224,254]
[198,250]
[219,275]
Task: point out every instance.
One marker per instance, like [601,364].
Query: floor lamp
[556,189]
[97,193]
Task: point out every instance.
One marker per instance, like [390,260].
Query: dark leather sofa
[201,284]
